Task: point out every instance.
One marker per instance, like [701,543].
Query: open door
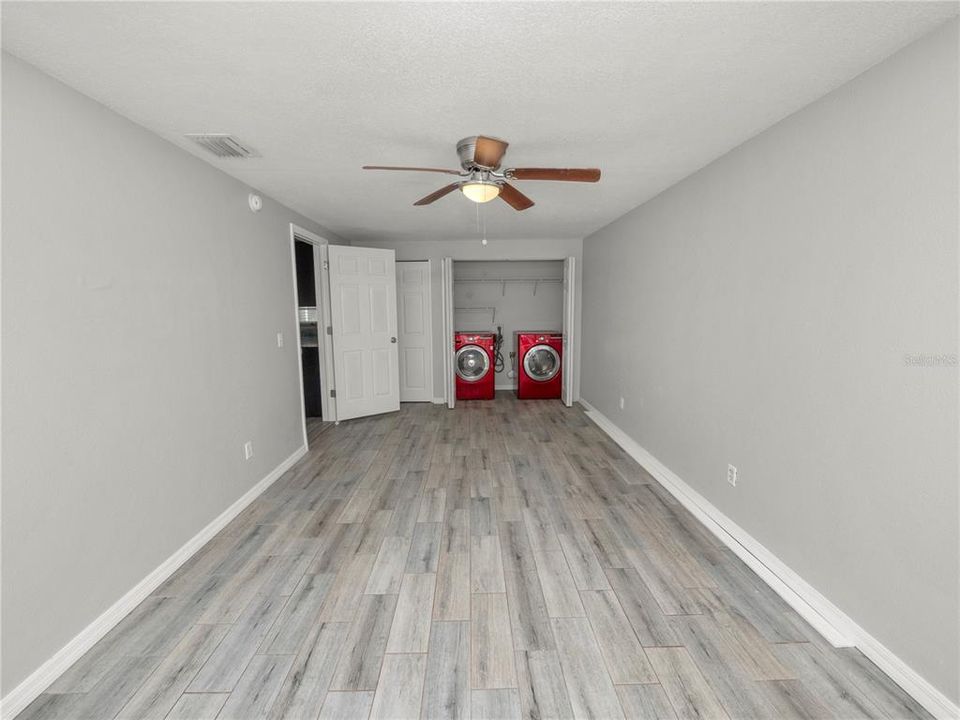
[569,324]
[449,387]
[363,304]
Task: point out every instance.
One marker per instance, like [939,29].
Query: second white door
[414,322]
[363,303]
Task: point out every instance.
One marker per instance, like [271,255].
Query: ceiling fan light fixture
[480,191]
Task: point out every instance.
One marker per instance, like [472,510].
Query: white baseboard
[41,678]
[836,626]
[505,387]
[439,401]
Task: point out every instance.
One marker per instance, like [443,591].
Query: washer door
[541,363]
[472,363]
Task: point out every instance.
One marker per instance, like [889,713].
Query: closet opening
[508,318]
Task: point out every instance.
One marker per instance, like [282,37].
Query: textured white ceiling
[649,92]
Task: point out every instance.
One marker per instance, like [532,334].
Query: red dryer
[541,361]
[474,365]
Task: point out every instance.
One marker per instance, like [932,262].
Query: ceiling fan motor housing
[467,150]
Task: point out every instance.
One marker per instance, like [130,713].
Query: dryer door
[541,363]
[472,363]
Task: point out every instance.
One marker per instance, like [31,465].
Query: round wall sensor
[255,201]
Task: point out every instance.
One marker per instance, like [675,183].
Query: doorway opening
[309,330]
[311,303]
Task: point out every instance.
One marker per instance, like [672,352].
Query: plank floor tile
[491,643]
[685,685]
[649,702]
[543,694]
[346,705]
[559,590]
[486,565]
[495,704]
[257,689]
[359,665]
[589,686]
[453,587]
[400,689]
[227,663]
[388,568]
[198,706]
[305,687]
[160,693]
[446,688]
[626,661]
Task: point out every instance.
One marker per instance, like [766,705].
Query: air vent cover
[221,145]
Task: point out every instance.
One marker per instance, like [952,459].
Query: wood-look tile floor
[501,560]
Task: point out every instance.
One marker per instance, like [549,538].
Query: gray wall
[141,301]
[519,305]
[436,250]
[759,313]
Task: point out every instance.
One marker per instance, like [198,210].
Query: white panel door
[415,331]
[569,324]
[449,387]
[363,301]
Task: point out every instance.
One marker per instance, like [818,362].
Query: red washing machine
[541,360]
[474,365]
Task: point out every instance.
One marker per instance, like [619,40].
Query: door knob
[393,339]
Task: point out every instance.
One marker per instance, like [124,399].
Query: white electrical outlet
[248,450]
[732,475]
[622,403]
[279,339]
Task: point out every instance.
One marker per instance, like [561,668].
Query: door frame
[446,284]
[328,405]
[569,330]
[429,323]
[569,313]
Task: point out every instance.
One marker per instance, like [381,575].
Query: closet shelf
[504,281]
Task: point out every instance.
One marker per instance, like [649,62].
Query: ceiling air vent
[223,146]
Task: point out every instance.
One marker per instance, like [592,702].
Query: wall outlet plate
[732,475]
[622,403]
[279,339]
[248,450]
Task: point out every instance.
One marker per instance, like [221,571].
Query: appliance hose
[497,346]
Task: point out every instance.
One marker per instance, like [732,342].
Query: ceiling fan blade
[568,174]
[412,169]
[514,198]
[436,195]
[489,152]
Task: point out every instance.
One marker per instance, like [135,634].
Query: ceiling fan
[482,180]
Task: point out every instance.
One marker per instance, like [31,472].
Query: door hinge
[329,330]
[333,393]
